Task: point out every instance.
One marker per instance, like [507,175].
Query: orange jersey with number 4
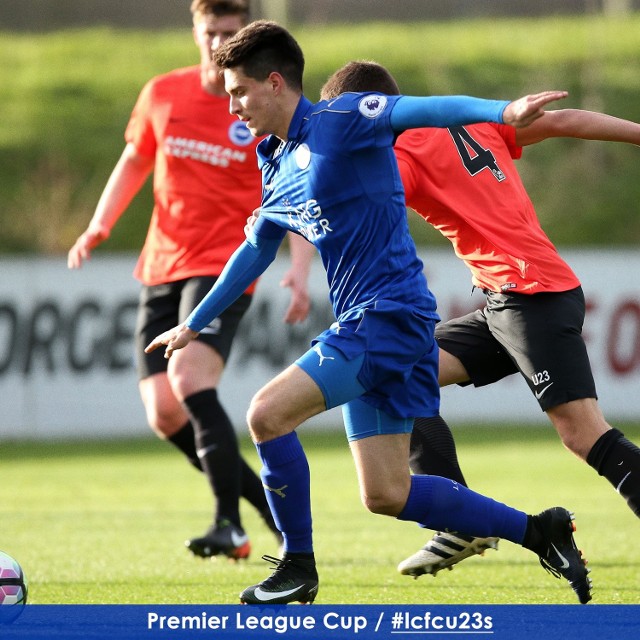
[206,180]
[463,181]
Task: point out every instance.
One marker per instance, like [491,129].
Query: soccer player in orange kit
[205,178]
[463,181]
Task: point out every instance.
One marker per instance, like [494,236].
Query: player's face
[210,32]
[252,101]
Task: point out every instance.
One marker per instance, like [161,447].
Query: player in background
[329,173]
[463,181]
[205,177]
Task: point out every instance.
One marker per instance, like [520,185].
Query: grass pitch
[104,522]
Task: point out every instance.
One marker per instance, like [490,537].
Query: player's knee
[261,419]
[190,373]
[184,385]
[162,427]
[382,502]
[165,420]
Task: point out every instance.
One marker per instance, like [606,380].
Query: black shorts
[165,305]
[539,335]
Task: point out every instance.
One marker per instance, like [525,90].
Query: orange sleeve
[508,134]
[139,131]
[406,172]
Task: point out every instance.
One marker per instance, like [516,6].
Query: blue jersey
[336,182]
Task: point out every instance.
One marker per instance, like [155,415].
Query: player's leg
[165,415]
[163,396]
[321,379]
[167,418]
[584,431]
[543,334]
[195,376]
[274,413]
[387,488]
[433,449]
[468,353]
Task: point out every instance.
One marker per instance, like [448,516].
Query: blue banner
[323,622]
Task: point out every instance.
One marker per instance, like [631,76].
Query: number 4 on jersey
[473,155]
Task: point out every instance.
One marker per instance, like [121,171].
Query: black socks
[618,460]
[184,439]
[251,488]
[433,450]
[217,449]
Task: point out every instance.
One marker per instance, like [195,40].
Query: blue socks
[445,505]
[437,503]
[285,476]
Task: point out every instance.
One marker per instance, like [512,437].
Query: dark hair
[261,48]
[360,76]
[220,8]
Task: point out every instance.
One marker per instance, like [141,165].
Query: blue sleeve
[410,112]
[249,261]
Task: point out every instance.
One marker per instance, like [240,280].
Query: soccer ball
[13,588]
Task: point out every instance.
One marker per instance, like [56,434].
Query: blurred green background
[67,95]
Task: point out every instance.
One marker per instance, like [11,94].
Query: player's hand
[251,220]
[176,338]
[300,303]
[528,109]
[83,246]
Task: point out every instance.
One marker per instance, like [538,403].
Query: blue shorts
[337,378]
[387,356]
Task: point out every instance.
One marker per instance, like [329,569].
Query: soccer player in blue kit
[329,173]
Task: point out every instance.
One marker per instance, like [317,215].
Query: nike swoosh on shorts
[539,394]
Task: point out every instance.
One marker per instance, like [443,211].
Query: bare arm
[297,277]
[127,178]
[576,123]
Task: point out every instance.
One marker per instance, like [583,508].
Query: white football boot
[443,551]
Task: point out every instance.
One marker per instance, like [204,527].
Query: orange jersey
[464,182]
[206,178]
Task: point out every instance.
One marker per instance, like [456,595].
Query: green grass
[104,522]
[67,97]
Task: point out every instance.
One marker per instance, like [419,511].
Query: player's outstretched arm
[526,110]
[297,278]
[247,263]
[412,112]
[578,123]
[127,177]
